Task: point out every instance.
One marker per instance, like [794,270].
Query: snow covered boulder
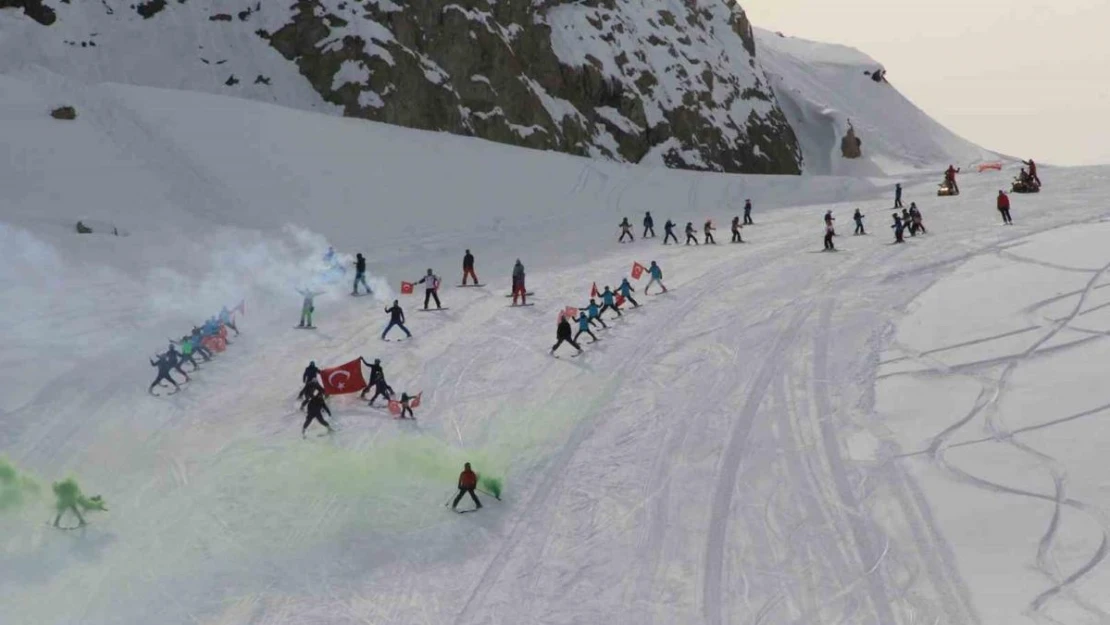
[64,112]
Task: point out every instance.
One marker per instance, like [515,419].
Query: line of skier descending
[205,340]
[627,236]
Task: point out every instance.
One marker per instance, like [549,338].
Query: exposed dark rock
[64,112]
[150,8]
[34,9]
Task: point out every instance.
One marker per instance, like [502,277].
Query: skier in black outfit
[396,318]
[748,213]
[899,227]
[649,225]
[311,372]
[668,233]
[690,234]
[468,268]
[736,238]
[174,359]
[907,222]
[376,373]
[382,389]
[360,275]
[311,389]
[562,334]
[405,408]
[898,195]
[163,373]
[858,217]
[431,289]
[316,408]
[626,231]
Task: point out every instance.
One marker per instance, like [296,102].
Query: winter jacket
[607,298]
[656,272]
[431,280]
[563,331]
[468,480]
[583,322]
[468,261]
[592,310]
[1003,201]
[396,315]
[310,373]
[648,221]
[625,289]
[518,272]
[360,265]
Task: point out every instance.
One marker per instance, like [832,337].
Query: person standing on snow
[626,291]
[518,283]
[656,277]
[360,276]
[311,372]
[584,326]
[690,234]
[316,408]
[376,373]
[668,233]
[858,218]
[649,225]
[709,232]
[163,373]
[468,268]
[898,195]
[594,313]
[899,227]
[609,302]
[307,307]
[174,360]
[915,217]
[829,233]
[1004,207]
[736,230]
[186,344]
[562,335]
[950,178]
[468,482]
[311,389]
[431,289]
[396,318]
[626,231]
[382,389]
[405,408]
[907,221]
[1033,171]
[748,213]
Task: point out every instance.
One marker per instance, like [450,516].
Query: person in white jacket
[431,289]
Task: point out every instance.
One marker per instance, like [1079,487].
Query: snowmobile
[947,188]
[1025,186]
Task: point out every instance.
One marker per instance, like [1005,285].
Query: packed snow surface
[885,434]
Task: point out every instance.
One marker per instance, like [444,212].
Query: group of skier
[691,232]
[591,315]
[203,340]
[314,397]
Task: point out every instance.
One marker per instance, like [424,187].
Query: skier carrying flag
[584,326]
[609,302]
[70,499]
[468,268]
[690,234]
[594,312]
[396,318]
[656,277]
[626,291]
[225,318]
[307,307]
[626,231]
[431,289]
[668,233]
[709,240]
[562,335]
[468,482]
[316,408]
[360,276]
[311,372]
[518,283]
[405,408]
[311,389]
[649,225]
[376,373]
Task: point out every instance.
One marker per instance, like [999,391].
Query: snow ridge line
[730,465]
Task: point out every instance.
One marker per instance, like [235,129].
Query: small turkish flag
[394,406]
[407,288]
[214,343]
[637,271]
[594,292]
[415,401]
[343,379]
[570,312]
[620,300]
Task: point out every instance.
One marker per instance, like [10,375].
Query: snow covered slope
[729,452]
[822,87]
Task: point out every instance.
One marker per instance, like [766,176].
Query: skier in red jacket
[1004,207]
[468,481]
[1033,171]
[950,178]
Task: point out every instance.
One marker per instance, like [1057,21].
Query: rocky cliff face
[665,81]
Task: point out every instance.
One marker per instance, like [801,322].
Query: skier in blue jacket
[584,326]
[609,302]
[656,277]
[594,313]
[626,291]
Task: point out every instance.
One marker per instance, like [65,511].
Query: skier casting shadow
[468,482]
[316,408]
[562,335]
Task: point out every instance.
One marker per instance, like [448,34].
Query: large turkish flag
[343,379]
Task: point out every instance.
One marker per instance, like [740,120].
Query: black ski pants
[464,491]
[829,241]
[709,238]
[383,393]
[648,229]
[859,227]
[736,236]
[572,342]
[1006,216]
[430,294]
[670,237]
[748,219]
[163,375]
[689,238]
[315,415]
[585,331]
[626,233]
[606,307]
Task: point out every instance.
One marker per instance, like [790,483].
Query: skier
[316,408]
[736,230]
[594,312]
[584,326]
[431,289]
[311,372]
[609,302]
[562,334]
[907,219]
[1033,171]
[950,178]
[899,227]
[311,389]
[186,344]
[225,318]
[468,268]
[748,213]
[198,345]
[307,307]
[898,195]
[829,219]
[70,498]
[164,367]
[405,408]
[360,276]
[626,230]
[858,218]
[829,247]
[709,232]
[656,277]
[382,389]
[649,225]
[1004,207]
[668,233]
[518,283]
[626,291]
[468,481]
[396,318]
[918,221]
[376,373]
[690,234]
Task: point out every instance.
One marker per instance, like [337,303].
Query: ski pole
[449,498]
[488,493]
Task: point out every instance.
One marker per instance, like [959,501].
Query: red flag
[594,292]
[343,379]
[241,308]
[620,300]
[214,343]
[570,312]
[223,332]
[407,288]
[394,406]
[637,271]
[415,401]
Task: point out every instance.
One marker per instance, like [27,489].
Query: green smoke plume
[15,488]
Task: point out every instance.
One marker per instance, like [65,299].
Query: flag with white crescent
[343,379]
